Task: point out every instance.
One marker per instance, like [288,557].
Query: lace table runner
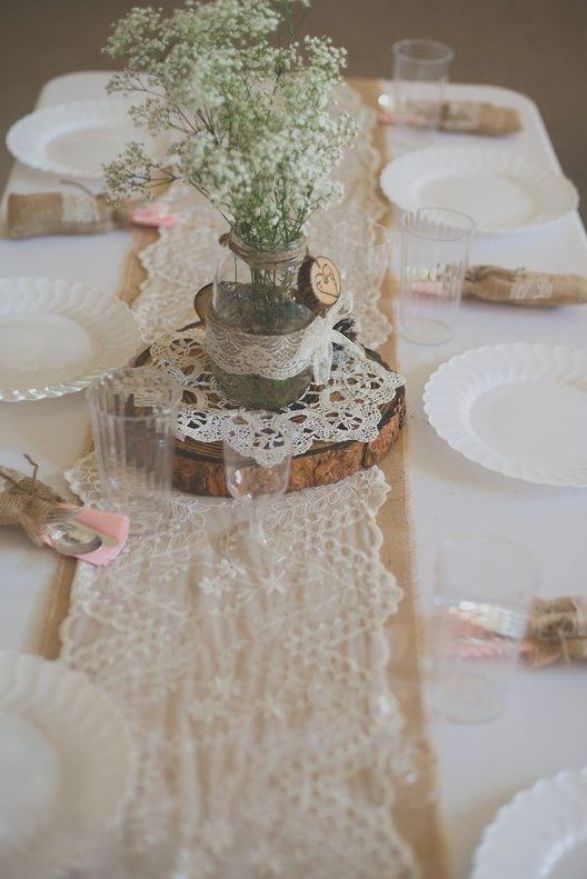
[256,688]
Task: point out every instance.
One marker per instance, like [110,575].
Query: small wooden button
[319,283]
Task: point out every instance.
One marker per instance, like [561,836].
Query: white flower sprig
[248,107]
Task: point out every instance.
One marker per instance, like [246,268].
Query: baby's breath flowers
[247,106]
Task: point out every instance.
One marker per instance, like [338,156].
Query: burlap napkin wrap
[472,117]
[520,287]
[27,503]
[464,117]
[65,213]
[58,213]
[557,631]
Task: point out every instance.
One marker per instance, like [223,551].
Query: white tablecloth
[545,726]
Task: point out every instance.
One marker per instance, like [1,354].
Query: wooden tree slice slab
[199,467]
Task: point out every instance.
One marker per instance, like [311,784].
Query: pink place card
[111,526]
[154,215]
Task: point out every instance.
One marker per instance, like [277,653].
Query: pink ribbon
[154,215]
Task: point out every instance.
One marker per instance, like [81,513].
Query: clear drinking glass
[248,480]
[434,257]
[420,71]
[254,304]
[483,590]
[133,414]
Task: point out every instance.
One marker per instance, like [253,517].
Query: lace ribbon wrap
[278,357]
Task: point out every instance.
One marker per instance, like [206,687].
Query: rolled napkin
[557,631]
[28,503]
[58,213]
[522,287]
[79,213]
[464,117]
[44,516]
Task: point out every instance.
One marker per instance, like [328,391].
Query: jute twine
[28,503]
[558,630]
[264,259]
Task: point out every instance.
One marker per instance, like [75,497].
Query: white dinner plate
[65,765]
[500,191]
[519,409]
[57,336]
[541,834]
[76,138]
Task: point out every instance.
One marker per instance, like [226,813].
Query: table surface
[544,728]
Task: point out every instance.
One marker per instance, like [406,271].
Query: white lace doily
[346,408]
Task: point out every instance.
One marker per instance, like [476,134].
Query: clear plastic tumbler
[420,71]
[434,258]
[483,592]
[133,414]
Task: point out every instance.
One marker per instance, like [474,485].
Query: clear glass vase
[256,328]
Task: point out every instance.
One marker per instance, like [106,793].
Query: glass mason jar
[255,330]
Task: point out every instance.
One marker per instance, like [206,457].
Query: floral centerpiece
[248,108]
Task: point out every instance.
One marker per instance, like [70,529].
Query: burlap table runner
[416,814]
[43,637]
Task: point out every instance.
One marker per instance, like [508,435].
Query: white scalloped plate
[76,138]
[541,834]
[57,336]
[519,409]
[501,192]
[65,763]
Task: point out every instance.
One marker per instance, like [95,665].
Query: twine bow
[558,630]
[28,503]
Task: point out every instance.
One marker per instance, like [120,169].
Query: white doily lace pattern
[255,685]
[186,256]
[346,408]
